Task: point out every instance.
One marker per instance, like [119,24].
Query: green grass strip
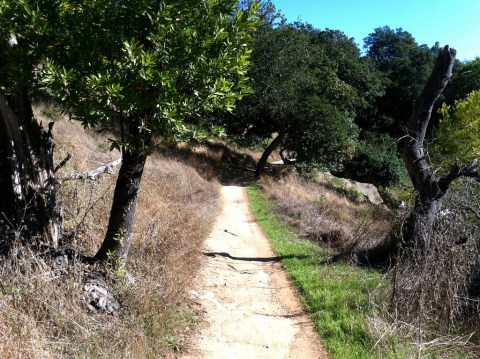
[335,295]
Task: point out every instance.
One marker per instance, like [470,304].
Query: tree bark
[28,193]
[431,190]
[262,163]
[118,238]
[285,159]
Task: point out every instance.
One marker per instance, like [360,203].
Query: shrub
[374,161]
[437,288]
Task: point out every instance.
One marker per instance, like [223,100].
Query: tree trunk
[418,228]
[27,183]
[431,190]
[268,151]
[122,215]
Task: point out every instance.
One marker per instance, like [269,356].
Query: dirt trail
[249,307]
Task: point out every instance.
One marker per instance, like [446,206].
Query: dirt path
[249,307]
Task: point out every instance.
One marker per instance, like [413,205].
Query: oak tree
[308,85]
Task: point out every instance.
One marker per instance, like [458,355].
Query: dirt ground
[247,306]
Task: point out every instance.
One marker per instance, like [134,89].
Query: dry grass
[432,287]
[435,294]
[425,307]
[327,216]
[440,288]
[41,311]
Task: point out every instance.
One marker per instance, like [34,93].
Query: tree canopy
[405,66]
[134,67]
[308,85]
[402,67]
[156,60]
[465,79]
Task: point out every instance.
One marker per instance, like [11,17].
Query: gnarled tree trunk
[431,190]
[27,183]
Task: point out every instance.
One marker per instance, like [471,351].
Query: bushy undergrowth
[42,314]
[436,296]
[375,160]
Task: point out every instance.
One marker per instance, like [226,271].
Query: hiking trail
[248,308]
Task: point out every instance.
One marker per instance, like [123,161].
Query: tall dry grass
[436,295]
[42,314]
[328,216]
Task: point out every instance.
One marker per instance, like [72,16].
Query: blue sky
[452,22]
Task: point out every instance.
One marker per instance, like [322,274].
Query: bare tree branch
[411,145]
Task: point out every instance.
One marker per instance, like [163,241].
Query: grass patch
[336,295]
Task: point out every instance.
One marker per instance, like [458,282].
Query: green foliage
[356,196]
[375,161]
[457,136]
[116,64]
[405,66]
[465,79]
[309,84]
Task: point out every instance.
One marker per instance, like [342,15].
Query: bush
[436,291]
[375,161]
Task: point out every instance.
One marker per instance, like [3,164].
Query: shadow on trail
[215,160]
[254,259]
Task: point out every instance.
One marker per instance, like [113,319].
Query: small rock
[97,296]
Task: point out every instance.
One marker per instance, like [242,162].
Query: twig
[63,163]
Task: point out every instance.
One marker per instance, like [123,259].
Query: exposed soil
[247,306]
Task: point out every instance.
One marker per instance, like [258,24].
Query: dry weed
[324,215]
[41,311]
[435,297]
[437,286]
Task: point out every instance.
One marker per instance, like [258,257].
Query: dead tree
[431,189]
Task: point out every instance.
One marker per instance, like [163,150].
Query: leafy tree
[139,67]
[375,160]
[405,66]
[431,187]
[267,12]
[308,85]
[28,31]
[465,79]
[457,136]
[402,67]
